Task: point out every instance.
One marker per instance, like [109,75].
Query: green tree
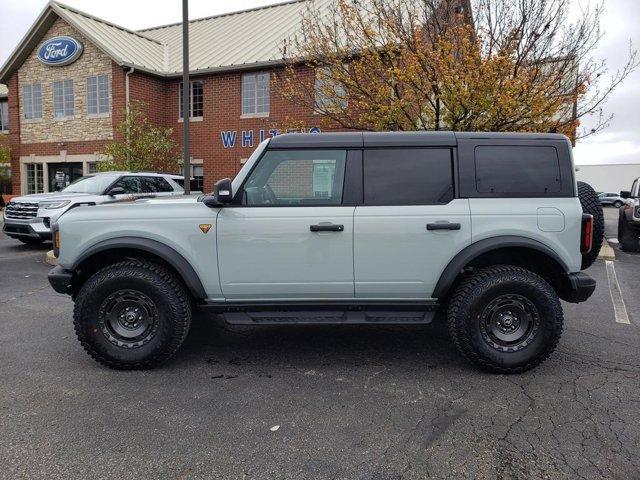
[144,145]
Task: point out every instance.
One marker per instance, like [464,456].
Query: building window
[98,95]
[330,96]
[255,94]
[35,183]
[92,168]
[63,104]
[196,100]
[32,101]
[4,116]
[197,172]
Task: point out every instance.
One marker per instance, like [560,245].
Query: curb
[606,252]
[50,259]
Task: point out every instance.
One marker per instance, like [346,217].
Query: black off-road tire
[31,241]
[468,321]
[617,204]
[589,201]
[161,295]
[628,238]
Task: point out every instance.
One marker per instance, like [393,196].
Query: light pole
[186,92]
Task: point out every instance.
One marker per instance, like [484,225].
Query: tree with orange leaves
[508,65]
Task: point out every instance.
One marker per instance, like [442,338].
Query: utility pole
[186,93]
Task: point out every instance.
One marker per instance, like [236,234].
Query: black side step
[328,317]
[334,313]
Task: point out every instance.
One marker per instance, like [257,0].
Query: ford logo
[59,51]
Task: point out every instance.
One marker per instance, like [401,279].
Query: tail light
[586,236]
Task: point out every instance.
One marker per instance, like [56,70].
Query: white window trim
[6,130]
[53,99]
[24,115]
[191,119]
[97,115]
[254,114]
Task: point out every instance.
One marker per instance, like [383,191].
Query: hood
[41,197]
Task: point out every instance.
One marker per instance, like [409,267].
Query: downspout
[127,111]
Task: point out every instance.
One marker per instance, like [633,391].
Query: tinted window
[516,169]
[154,184]
[297,177]
[408,176]
[129,184]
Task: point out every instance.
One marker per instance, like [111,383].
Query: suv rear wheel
[133,314]
[505,319]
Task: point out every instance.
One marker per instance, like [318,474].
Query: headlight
[638,212]
[54,205]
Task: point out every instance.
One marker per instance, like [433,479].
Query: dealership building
[70,78]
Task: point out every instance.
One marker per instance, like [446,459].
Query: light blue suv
[483,231]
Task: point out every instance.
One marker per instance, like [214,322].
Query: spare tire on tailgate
[591,205]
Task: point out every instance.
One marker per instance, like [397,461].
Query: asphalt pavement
[288,402]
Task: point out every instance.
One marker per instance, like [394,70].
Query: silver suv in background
[610,198]
[29,218]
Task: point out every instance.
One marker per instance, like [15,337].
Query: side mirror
[222,190]
[625,194]
[116,191]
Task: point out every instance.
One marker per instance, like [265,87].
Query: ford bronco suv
[629,219]
[486,231]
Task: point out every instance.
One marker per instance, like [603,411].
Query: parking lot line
[619,307]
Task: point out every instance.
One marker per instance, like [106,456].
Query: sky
[620,143]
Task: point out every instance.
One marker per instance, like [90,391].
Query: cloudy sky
[621,22]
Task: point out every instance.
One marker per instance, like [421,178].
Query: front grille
[21,210]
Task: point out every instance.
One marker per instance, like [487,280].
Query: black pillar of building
[186,93]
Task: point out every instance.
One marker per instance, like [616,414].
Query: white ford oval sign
[59,51]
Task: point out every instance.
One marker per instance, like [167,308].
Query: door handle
[443,226]
[326,227]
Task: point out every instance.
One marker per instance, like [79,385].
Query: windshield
[94,184]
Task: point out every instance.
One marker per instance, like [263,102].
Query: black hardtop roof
[396,139]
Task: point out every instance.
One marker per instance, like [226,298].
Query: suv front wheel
[132,314]
[505,319]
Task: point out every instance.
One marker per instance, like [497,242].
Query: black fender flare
[469,253]
[168,254]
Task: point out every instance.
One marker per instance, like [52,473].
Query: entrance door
[62,174]
[410,225]
[290,238]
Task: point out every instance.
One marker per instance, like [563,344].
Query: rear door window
[508,169]
[408,176]
[154,185]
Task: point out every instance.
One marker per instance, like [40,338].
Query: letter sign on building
[58,51]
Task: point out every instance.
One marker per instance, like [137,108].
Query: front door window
[297,178]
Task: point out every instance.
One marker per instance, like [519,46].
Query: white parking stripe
[616,294]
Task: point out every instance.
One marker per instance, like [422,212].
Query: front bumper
[33,228]
[60,279]
[578,287]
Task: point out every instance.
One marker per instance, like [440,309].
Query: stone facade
[81,127]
